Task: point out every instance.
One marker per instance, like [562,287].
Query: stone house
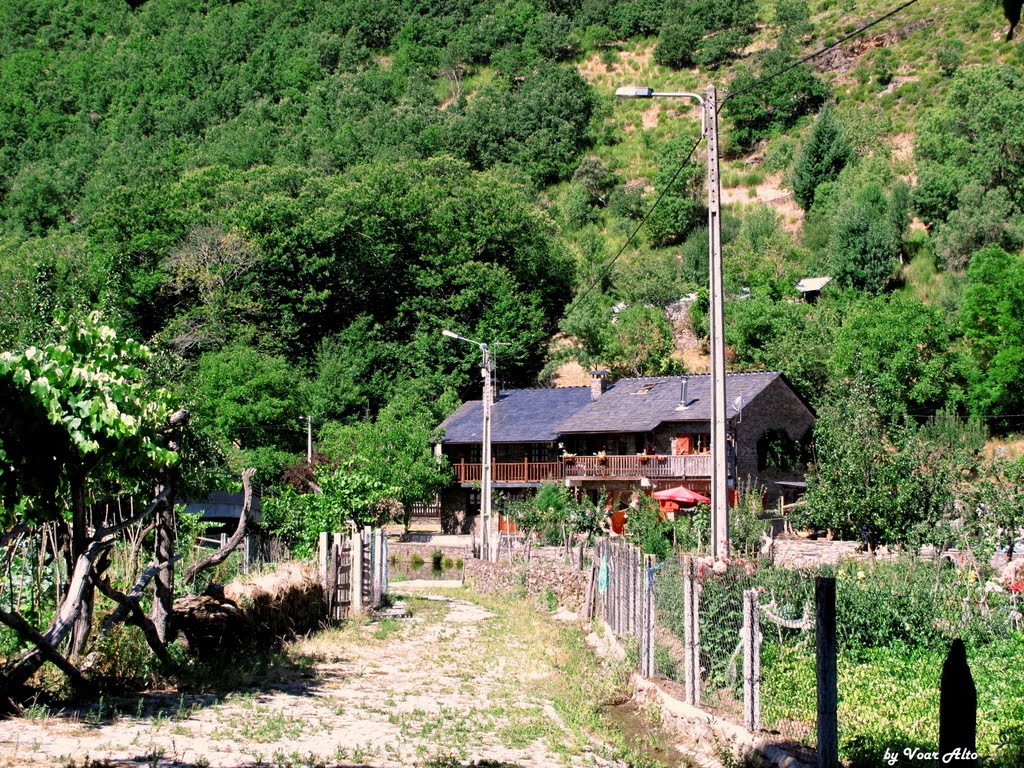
[638,434]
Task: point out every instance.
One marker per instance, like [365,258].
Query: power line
[756,84]
[767,78]
[604,273]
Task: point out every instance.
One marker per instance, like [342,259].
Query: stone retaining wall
[404,550]
[568,584]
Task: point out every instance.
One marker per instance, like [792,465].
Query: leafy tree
[396,449]
[863,229]
[982,218]
[93,420]
[249,401]
[639,343]
[774,106]
[992,318]
[678,44]
[906,350]
[678,182]
[538,124]
[891,484]
[348,494]
[974,138]
[822,156]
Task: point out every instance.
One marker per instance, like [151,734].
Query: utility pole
[489,550]
[719,500]
[709,129]
[309,440]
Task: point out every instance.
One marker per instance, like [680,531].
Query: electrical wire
[860,30]
[605,272]
[756,84]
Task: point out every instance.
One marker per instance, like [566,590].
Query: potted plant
[602,457]
[568,458]
[643,458]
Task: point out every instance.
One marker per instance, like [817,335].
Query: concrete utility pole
[719,490]
[309,440]
[488,543]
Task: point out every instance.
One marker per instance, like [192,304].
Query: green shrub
[436,559]
[549,599]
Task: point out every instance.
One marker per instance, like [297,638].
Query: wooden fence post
[648,614]
[377,548]
[357,569]
[825,632]
[751,660]
[322,556]
[691,626]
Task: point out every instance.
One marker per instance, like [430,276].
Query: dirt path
[453,685]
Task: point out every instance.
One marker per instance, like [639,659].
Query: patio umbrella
[681,495]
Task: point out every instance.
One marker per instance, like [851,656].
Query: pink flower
[749,569]
[719,567]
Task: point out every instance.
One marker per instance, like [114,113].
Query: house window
[473,455]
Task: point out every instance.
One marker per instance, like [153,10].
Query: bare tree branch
[138,618]
[45,649]
[221,554]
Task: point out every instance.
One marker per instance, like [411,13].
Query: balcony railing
[682,467]
[510,472]
[654,467]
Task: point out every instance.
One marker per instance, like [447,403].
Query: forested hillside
[288,201]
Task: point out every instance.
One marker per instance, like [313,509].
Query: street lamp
[487,551]
[709,129]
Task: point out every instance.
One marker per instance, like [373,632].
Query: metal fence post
[825,631]
[751,660]
[691,625]
[648,613]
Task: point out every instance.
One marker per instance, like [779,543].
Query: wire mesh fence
[741,640]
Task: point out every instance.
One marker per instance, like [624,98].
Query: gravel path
[448,687]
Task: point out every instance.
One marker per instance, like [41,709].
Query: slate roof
[640,405]
[519,416]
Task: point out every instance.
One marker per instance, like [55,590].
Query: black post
[828,691]
[958,709]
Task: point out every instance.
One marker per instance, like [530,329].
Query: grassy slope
[883,81]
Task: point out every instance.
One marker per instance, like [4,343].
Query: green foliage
[859,221]
[77,411]
[678,43]
[975,137]
[679,182]
[250,402]
[993,325]
[982,218]
[396,448]
[905,350]
[639,343]
[823,154]
[777,105]
[883,481]
[350,494]
[538,124]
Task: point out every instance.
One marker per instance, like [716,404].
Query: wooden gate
[353,571]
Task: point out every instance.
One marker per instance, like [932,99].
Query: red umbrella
[682,495]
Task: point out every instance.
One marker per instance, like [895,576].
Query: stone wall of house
[777,406]
[568,584]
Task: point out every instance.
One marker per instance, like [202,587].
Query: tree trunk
[79,541]
[221,554]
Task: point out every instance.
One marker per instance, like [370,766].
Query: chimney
[597,378]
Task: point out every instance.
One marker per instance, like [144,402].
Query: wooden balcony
[528,472]
[654,467]
[534,472]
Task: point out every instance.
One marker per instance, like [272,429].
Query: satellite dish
[737,405]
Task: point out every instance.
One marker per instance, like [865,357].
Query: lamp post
[487,549]
[709,129]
